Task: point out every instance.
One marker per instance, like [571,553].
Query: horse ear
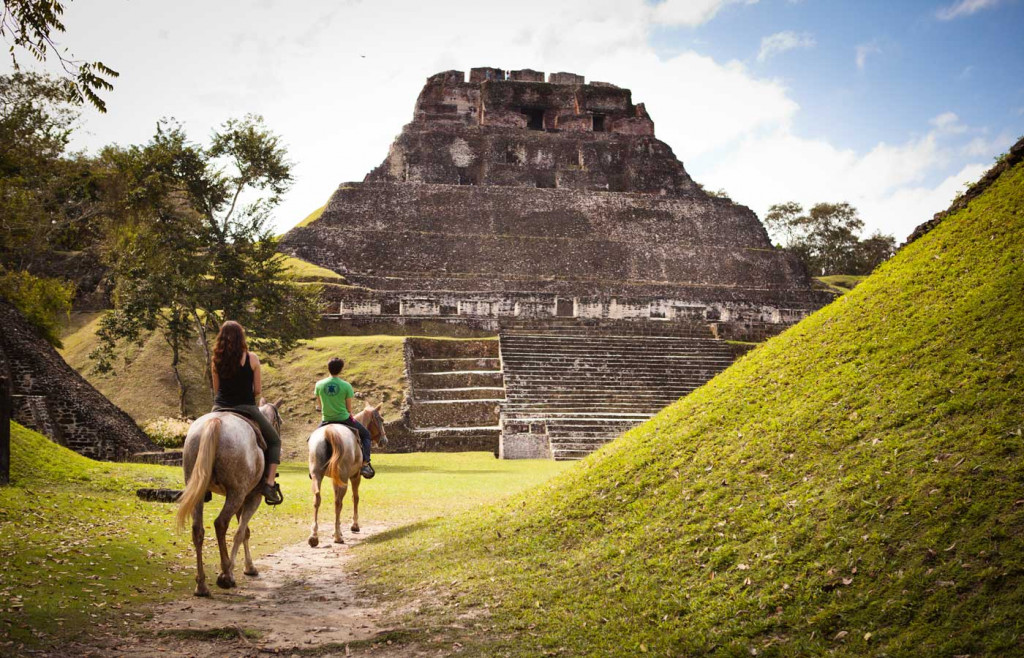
[277,405]
[263,401]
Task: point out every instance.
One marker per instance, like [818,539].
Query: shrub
[167,432]
[43,302]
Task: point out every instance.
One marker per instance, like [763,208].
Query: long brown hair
[229,349]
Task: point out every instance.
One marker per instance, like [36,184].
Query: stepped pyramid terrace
[531,205]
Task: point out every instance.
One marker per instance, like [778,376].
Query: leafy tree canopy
[33,26]
[826,237]
[192,245]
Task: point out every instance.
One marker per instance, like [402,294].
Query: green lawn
[82,552]
[854,487]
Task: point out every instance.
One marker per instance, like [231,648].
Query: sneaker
[272,493]
[367,471]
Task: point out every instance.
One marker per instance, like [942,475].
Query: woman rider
[237,382]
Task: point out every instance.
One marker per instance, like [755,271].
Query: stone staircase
[576,390]
[455,389]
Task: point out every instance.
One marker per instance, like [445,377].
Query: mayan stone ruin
[54,400]
[533,207]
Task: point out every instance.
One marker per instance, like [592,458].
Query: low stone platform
[455,389]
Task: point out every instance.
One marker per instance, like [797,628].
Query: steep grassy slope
[854,486]
[144,386]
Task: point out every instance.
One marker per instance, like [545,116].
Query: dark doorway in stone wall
[564,308]
[599,123]
[449,309]
[534,118]
[390,307]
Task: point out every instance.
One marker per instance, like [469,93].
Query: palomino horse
[334,451]
[221,455]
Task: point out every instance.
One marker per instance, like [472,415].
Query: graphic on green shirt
[333,393]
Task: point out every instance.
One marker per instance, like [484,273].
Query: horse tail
[334,470]
[197,485]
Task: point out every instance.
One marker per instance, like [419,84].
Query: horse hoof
[314,542]
[339,540]
[355,528]
[202,591]
[225,581]
[252,573]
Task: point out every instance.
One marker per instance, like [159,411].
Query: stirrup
[272,494]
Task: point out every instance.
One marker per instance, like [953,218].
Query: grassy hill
[854,487]
[143,383]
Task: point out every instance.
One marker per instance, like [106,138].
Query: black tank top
[236,391]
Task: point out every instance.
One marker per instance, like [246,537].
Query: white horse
[334,451]
[221,455]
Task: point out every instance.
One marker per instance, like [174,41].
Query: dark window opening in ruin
[599,123]
[390,307]
[449,309]
[546,179]
[564,308]
[534,118]
[465,177]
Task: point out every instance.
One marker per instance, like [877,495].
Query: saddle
[260,441]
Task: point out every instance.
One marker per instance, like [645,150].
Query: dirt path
[304,599]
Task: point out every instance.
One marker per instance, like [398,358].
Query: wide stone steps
[583,390]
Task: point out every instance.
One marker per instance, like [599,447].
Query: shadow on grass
[399,532]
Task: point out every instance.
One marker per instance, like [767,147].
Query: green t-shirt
[333,392]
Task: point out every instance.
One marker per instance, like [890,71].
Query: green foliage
[167,432]
[851,487]
[45,303]
[80,549]
[45,194]
[825,238]
[33,25]
[186,255]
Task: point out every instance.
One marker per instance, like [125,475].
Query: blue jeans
[364,434]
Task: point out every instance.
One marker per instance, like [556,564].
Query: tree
[32,25]
[187,252]
[826,239]
[46,196]
[44,302]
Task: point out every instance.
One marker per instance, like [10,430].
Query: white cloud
[887,184]
[691,13]
[780,42]
[865,49]
[964,8]
[338,82]
[948,122]
[982,147]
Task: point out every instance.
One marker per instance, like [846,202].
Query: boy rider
[336,399]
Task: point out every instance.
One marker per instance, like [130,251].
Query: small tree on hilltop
[187,254]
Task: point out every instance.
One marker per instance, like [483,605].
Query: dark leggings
[364,434]
[252,412]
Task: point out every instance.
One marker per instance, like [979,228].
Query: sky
[889,105]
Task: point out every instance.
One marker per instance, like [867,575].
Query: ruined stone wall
[53,399]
